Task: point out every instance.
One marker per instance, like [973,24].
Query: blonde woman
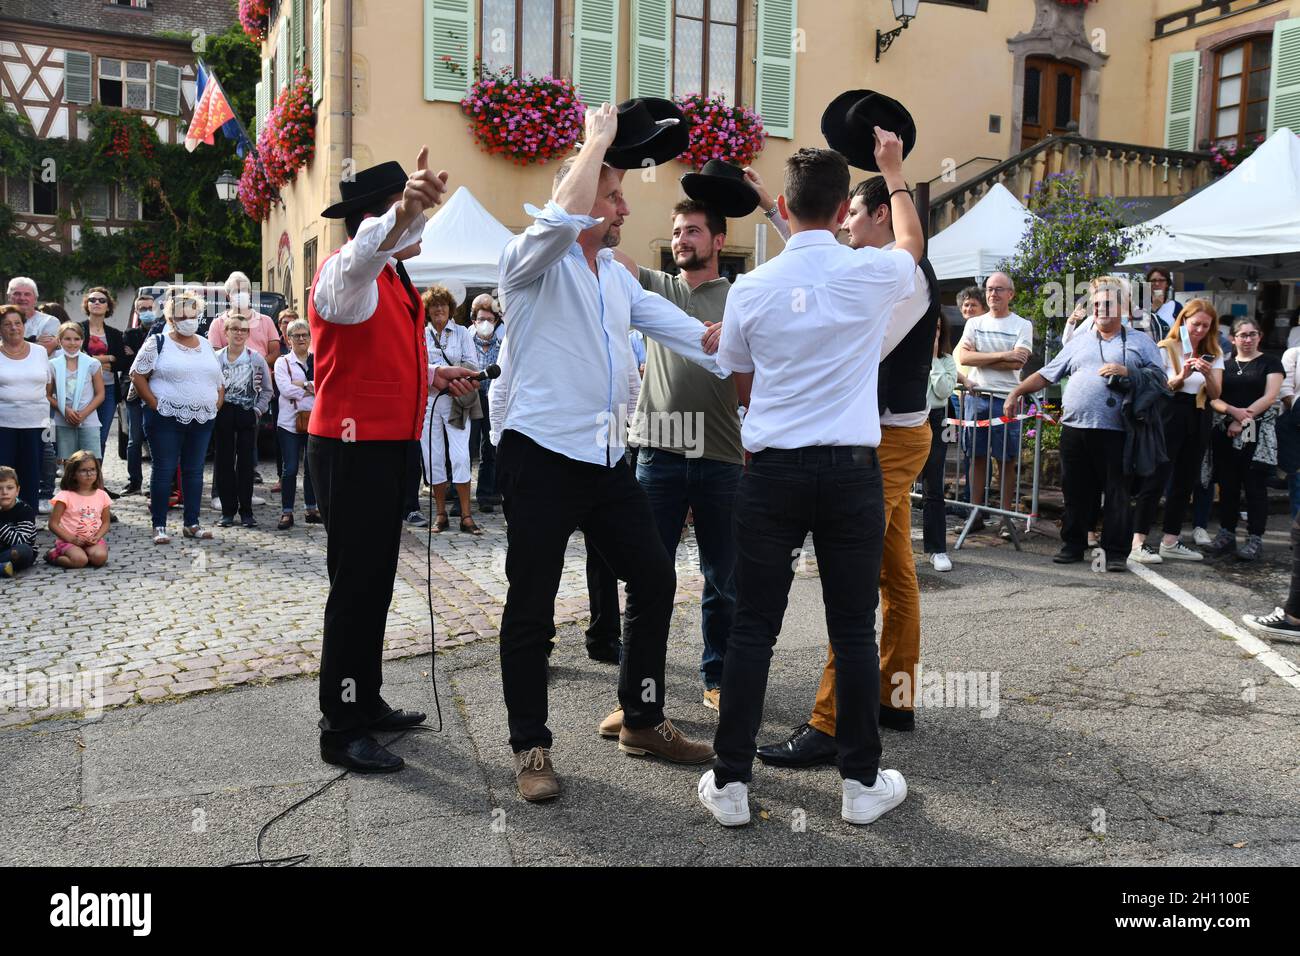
[1194,367]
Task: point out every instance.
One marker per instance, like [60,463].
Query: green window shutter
[1284,80]
[282,65]
[595,50]
[448,32]
[652,53]
[296,24]
[318,42]
[774,86]
[1180,102]
[76,77]
[167,89]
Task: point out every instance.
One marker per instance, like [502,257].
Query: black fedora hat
[648,129]
[849,126]
[367,186]
[722,187]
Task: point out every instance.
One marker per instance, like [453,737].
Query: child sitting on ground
[17,526]
[81,515]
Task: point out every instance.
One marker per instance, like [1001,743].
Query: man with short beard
[560,462]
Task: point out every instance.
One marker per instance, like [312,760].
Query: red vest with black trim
[372,379]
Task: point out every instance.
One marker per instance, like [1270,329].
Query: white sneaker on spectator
[45,507]
[258,501]
[941,562]
[1202,538]
[1179,552]
[729,805]
[216,504]
[868,804]
[1144,555]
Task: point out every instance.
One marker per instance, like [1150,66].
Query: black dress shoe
[1116,565]
[358,753]
[606,653]
[397,719]
[1067,556]
[895,719]
[806,747]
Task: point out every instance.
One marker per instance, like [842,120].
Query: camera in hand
[1118,383]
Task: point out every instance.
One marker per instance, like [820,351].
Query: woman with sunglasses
[1244,440]
[100,340]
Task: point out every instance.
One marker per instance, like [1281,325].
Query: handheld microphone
[492,371]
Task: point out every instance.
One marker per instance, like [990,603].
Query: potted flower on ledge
[733,134]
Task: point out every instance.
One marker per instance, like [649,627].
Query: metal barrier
[995,435]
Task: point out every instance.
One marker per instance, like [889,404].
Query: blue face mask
[146,318]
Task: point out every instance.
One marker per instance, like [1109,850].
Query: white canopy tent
[1245,225]
[980,240]
[462,243]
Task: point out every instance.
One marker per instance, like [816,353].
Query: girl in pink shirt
[81,515]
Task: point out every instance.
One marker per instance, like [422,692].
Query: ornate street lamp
[904,12]
[227,186]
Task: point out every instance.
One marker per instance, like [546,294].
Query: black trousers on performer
[360,489]
[548,496]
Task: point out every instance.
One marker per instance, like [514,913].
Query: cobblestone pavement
[160,622]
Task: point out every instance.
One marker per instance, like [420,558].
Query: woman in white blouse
[24,411]
[178,377]
[447,344]
[295,381]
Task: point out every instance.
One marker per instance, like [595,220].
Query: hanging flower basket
[290,131]
[256,194]
[526,119]
[254,17]
[733,134]
[1228,157]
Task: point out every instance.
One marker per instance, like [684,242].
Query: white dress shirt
[567,328]
[1290,362]
[346,291]
[816,387]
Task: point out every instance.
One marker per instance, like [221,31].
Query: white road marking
[1248,642]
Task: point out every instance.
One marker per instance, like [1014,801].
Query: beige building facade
[1151,81]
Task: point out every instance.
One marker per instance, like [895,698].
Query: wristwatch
[771,213]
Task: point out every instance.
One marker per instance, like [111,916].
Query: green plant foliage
[188,229]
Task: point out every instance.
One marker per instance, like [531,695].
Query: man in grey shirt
[1092,420]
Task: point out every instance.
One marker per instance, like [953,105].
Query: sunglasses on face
[97,301]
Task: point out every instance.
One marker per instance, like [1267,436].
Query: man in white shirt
[560,464]
[812,428]
[994,347]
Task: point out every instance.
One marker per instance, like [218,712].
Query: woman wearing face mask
[105,343]
[178,377]
[487,347]
[140,326]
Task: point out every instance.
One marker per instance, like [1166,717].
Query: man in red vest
[372,379]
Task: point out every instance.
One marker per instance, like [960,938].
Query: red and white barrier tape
[1000,420]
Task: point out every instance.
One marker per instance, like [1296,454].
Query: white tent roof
[1247,223]
[462,241]
[976,243]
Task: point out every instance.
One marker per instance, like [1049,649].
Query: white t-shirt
[984,333]
[1195,381]
[40,324]
[22,389]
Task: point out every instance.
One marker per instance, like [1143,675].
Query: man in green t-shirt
[687,429]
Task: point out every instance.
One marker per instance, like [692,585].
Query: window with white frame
[124,83]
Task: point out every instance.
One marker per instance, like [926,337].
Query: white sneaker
[1145,555]
[941,562]
[868,804]
[730,805]
[44,507]
[1179,552]
[258,500]
[216,504]
[1201,538]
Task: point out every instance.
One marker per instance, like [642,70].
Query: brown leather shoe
[664,741]
[611,725]
[535,775]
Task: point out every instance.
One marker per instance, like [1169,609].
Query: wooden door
[1052,95]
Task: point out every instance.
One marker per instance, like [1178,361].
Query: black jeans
[837,494]
[606,627]
[1234,470]
[1092,464]
[934,520]
[1293,599]
[480,439]
[547,497]
[1185,445]
[233,437]
[359,486]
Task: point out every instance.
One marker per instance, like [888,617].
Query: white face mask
[71,352]
[187,326]
[485,329]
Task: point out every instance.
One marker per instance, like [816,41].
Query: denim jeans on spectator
[675,483]
[173,442]
[935,520]
[1202,504]
[48,467]
[1293,599]
[21,450]
[837,494]
[293,448]
[107,409]
[134,443]
[22,556]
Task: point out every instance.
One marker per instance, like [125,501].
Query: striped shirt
[17,525]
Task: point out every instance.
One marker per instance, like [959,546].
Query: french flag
[213,112]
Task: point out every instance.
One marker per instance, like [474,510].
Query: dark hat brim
[731,198]
[660,145]
[341,210]
[854,138]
